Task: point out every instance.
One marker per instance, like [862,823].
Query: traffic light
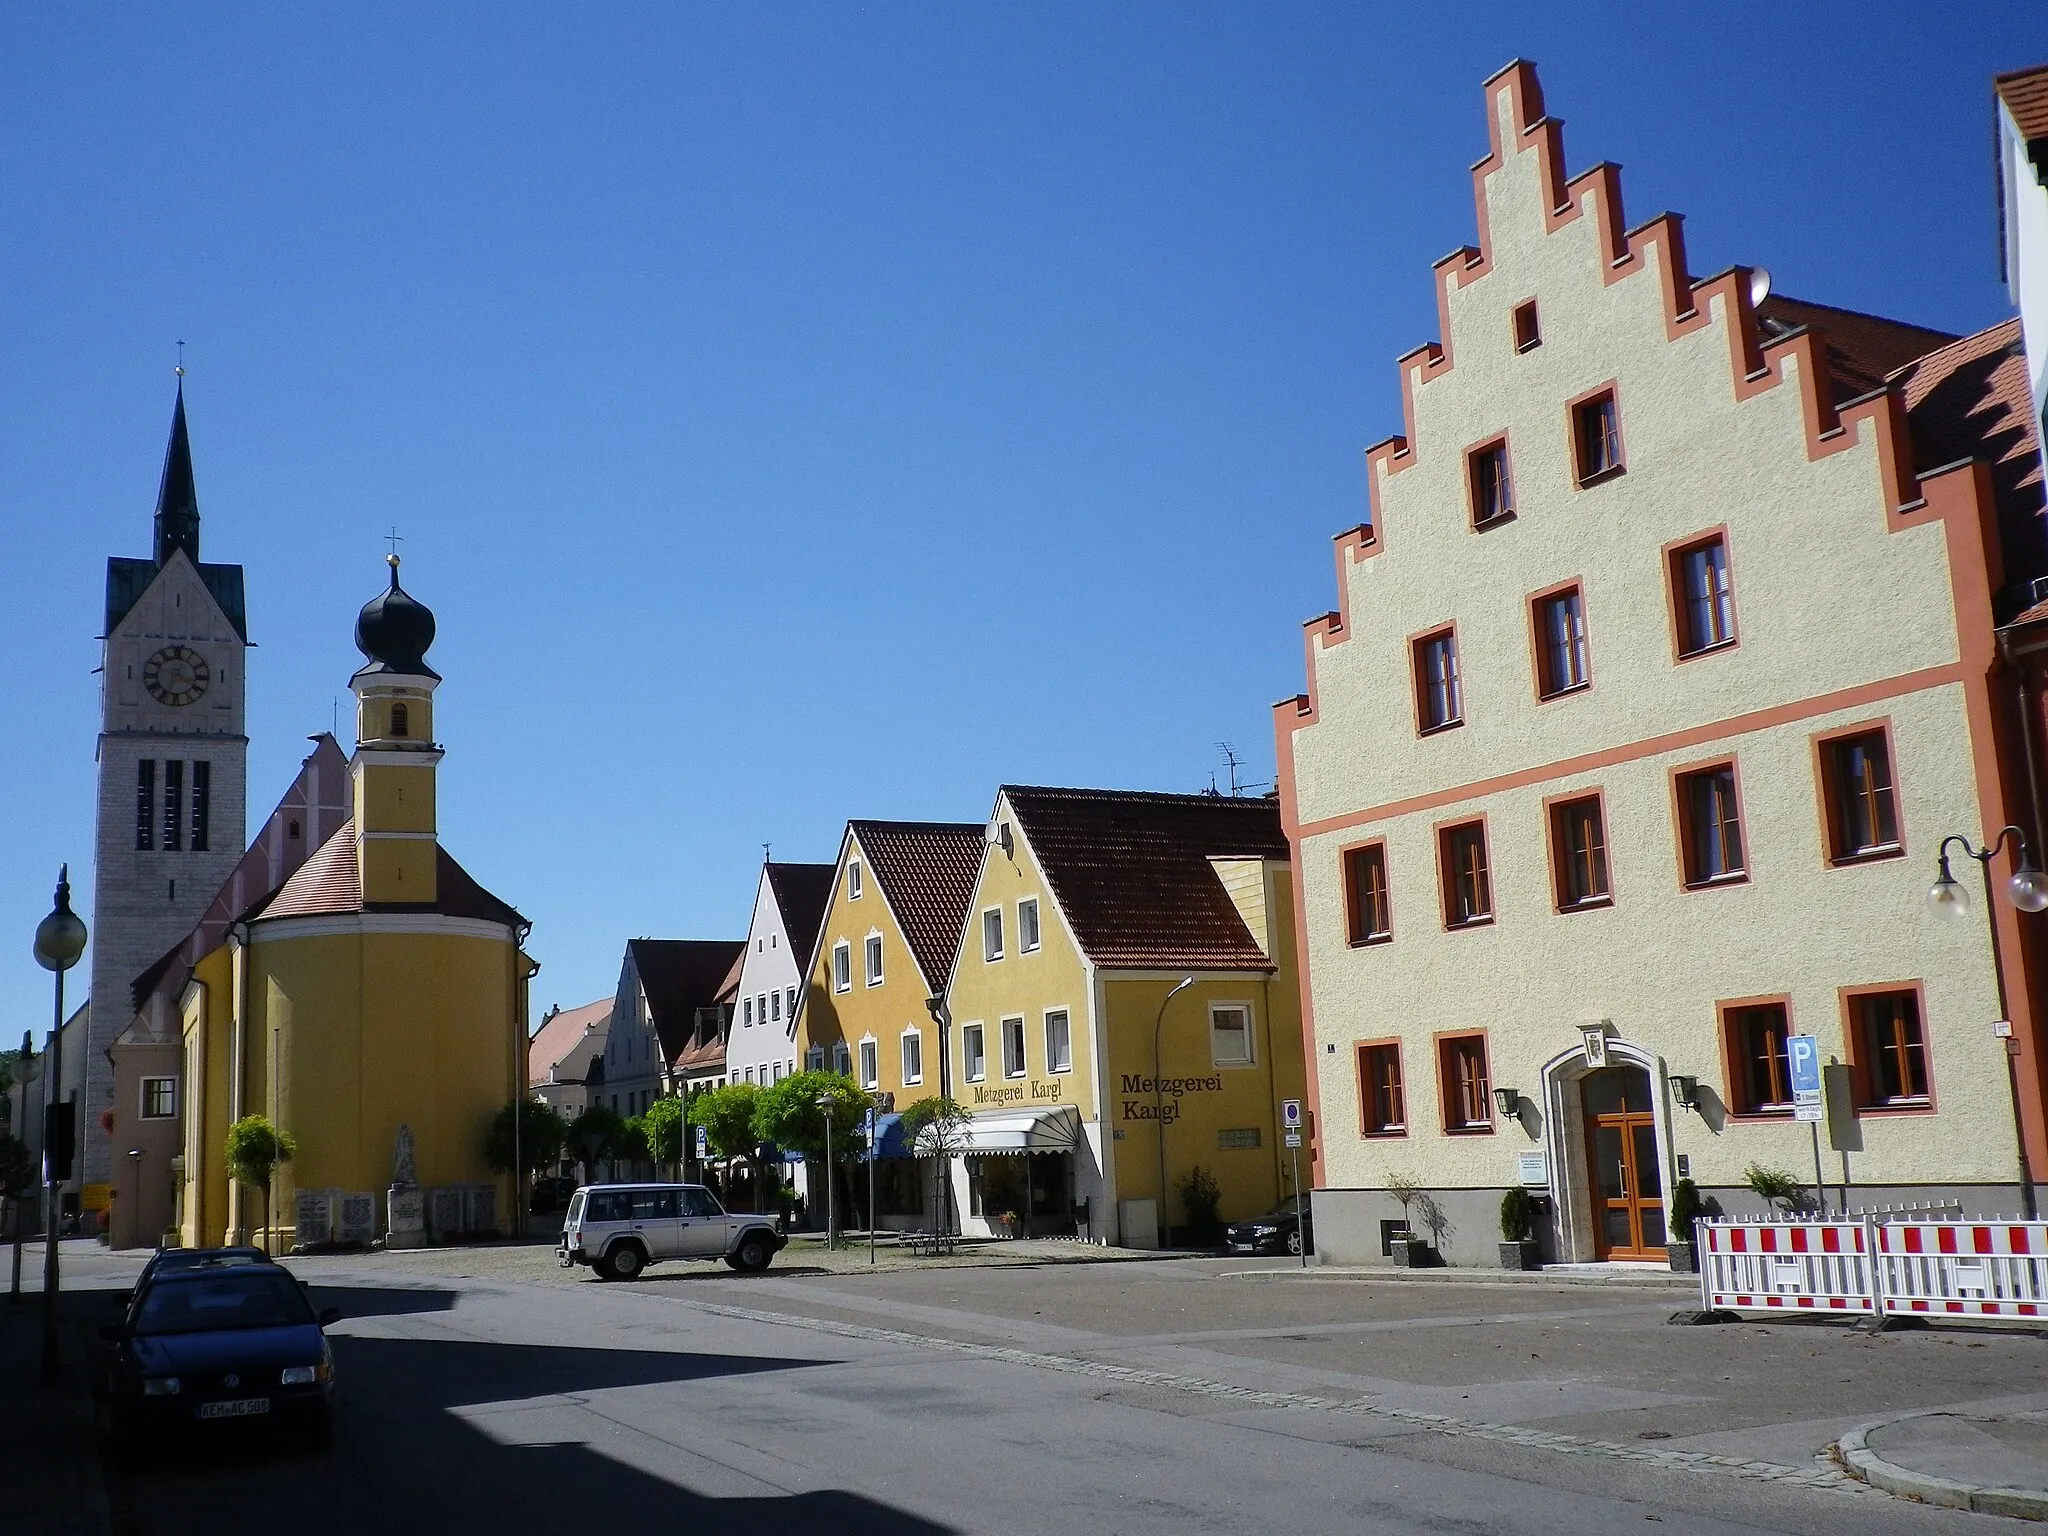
[60,1139]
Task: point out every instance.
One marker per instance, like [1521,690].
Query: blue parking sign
[1802,1054]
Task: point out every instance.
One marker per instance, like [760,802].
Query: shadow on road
[406,1457]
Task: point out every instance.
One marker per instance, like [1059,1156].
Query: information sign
[1803,1054]
[1294,1138]
[703,1141]
[1290,1114]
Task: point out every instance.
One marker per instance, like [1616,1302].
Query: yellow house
[378,999]
[1097,918]
[883,950]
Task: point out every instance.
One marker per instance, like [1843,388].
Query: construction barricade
[1875,1267]
[1964,1269]
[1800,1266]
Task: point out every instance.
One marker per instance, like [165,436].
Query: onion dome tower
[393,769]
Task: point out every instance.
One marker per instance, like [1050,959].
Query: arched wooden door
[1621,1157]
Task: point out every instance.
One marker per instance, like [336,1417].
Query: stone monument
[405,1215]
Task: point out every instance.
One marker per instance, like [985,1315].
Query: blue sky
[803,412]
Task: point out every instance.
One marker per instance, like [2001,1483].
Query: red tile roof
[1862,350]
[1971,400]
[1131,872]
[927,869]
[327,883]
[561,1033]
[2025,94]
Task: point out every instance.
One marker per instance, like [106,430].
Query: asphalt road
[484,1391]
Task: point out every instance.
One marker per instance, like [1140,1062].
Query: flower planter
[1521,1256]
[1414,1253]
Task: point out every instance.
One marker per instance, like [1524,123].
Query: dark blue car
[221,1345]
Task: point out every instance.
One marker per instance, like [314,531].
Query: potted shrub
[1686,1208]
[1519,1249]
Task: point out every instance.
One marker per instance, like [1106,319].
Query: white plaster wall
[771,966]
[1826,599]
[2026,250]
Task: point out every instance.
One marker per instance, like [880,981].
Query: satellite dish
[1759,286]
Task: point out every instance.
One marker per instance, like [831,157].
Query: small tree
[596,1134]
[727,1115]
[663,1127]
[537,1144]
[789,1114]
[1517,1215]
[633,1145]
[255,1148]
[1404,1188]
[1775,1185]
[936,1127]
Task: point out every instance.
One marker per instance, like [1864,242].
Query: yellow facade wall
[398,869]
[351,1034]
[390,798]
[882,1012]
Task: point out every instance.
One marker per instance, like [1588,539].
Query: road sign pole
[871,1186]
[1301,1237]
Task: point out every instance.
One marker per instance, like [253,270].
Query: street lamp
[1158,1119]
[2028,890]
[825,1103]
[60,940]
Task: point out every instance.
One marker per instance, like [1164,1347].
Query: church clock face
[176,676]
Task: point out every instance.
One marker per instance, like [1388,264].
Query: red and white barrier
[1794,1266]
[1964,1269]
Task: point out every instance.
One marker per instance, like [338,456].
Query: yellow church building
[374,1008]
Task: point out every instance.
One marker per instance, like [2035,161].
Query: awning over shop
[1017,1131]
[889,1138]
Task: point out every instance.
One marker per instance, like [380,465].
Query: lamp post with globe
[60,940]
[2028,891]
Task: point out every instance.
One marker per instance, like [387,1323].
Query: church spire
[177,500]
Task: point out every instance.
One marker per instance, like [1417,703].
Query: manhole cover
[1653,1434]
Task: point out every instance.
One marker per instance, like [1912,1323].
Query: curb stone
[1864,1464]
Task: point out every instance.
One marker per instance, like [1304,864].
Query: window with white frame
[874,960]
[1027,925]
[853,881]
[1059,1041]
[159,1098]
[775,1005]
[913,1056]
[973,1054]
[842,967]
[761,1007]
[1230,1034]
[746,1012]
[992,934]
[842,1058]
[814,1059]
[1013,1047]
[792,1002]
[870,1063]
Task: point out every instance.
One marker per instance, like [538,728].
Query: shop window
[1759,1068]
[1369,916]
[870,1064]
[1013,1047]
[1562,665]
[1467,882]
[1702,596]
[1241,1139]
[1528,333]
[1487,483]
[973,1053]
[1461,1072]
[1596,437]
[1027,925]
[1710,826]
[913,1057]
[874,959]
[1890,1050]
[1382,1101]
[1862,810]
[842,967]
[992,934]
[1578,853]
[1230,1034]
[1439,698]
[159,1098]
[1059,1041]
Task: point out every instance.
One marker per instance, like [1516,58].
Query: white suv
[620,1229]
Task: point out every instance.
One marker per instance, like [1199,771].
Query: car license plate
[235,1408]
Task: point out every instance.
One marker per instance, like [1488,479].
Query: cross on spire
[393,538]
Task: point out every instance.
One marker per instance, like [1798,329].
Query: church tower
[172,764]
[397,854]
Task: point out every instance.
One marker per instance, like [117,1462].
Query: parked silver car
[619,1229]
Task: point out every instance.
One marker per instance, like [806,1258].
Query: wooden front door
[1621,1158]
